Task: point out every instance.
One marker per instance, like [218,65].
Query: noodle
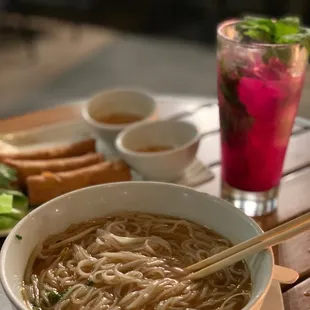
[132,261]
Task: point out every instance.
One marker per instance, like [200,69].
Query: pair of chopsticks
[252,246]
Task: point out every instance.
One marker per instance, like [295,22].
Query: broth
[132,261]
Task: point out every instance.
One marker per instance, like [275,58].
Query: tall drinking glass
[259,88]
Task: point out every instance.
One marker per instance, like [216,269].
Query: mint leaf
[302,38]
[283,54]
[257,35]
[234,118]
[265,30]
[291,20]
[256,29]
[228,88]
[265,24]
[284,27]
[7,175]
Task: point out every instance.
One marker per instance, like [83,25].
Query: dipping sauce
[119,118]
[155,148]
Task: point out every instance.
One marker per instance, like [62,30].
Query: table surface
[294,194]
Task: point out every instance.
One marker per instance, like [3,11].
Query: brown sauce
[154,149]
[118,118]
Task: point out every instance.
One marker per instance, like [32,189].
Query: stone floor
[74,66]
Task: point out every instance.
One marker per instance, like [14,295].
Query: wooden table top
[294,195]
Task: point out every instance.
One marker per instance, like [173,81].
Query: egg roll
[48,185]
[28,167]
[61,151]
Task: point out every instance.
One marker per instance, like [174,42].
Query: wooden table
[294,196]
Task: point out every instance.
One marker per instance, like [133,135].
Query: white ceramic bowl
[93,202]
[168,165]
[134,102]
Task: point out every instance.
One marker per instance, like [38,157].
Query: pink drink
[258,99]
[253,156]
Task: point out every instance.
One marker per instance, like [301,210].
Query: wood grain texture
[41,118]
[167,107]
[294,194]
[298,297]
[296,185]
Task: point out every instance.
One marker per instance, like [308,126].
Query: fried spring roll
[48,185]
[27,167]
[61,151]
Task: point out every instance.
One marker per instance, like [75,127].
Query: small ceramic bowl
[136,103]
[177,141]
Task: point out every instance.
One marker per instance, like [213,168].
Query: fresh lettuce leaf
[20,201]
[6,203]
[17,214]
[10,215]
[7,222]
[7,175]
[13,204]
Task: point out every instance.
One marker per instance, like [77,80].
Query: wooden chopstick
[244,245]
[249,247]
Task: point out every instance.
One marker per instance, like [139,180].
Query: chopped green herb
[90,283]
[54,297]
[19,237]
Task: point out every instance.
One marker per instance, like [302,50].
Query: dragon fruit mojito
[259,88]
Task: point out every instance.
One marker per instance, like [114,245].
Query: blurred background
[56,51]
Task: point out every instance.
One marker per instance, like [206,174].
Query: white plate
[69,132]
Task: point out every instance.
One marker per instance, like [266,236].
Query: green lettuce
[13,207]
[6,203]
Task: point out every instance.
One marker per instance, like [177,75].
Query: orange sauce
[155,148]
[119,118]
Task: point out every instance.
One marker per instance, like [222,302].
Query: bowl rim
[151,101]
[224,204]
[120,137]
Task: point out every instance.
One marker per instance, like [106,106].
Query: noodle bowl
[83,215]
[132,261]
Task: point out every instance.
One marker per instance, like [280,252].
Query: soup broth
[132,261]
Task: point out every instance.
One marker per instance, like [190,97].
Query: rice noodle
[132,261]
